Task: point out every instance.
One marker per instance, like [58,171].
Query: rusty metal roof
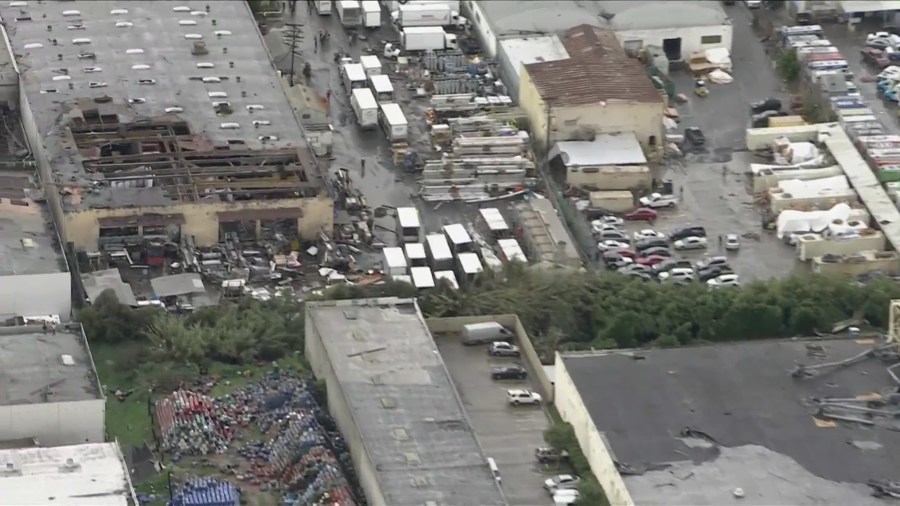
[598,70]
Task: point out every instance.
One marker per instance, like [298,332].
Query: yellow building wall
[644,119]
[201,220]
[571,408]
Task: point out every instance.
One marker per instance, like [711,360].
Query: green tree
[789,65]
[108,321]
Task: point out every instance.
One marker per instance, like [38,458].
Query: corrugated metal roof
[597,71]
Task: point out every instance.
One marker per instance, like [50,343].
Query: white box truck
[350,12]
[394,262]
[382,87]
[439,255]
[323,8]
[392,5]
[365,106]
[394,122]
[426,38]
[371,64]
[353,76]
[371,13]
[428,15]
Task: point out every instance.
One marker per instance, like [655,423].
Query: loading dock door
[672,48]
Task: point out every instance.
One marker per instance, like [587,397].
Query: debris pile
[300,454]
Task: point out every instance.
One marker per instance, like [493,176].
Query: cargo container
[492,224]
[371,14]
[511,251]
[394,262]
[428,15]
[617,201]
[415,254]
[350,12]
[393,121]
[459,239]
[382,88]
[366,108]
[422,277]
[449,276]
[468,265]
[371,65]
[353,76]
[409,226]
[426,38]
[323,8]
[439,255]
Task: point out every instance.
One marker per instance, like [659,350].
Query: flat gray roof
[753,423]
[605,149]
[32,369]
[28,240]
[97,282]
[241,62]
[404,403]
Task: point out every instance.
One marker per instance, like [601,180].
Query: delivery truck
[426,38]
[392,5]
[350,12]
[393,121]
[428,15]
[371,14]
[371,64]
[382,88]
[353,76]
[366,108]
[323,8]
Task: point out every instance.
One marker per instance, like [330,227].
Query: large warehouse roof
[691,425]
[119,89]
[28,240]
[404,404]
[33,369]
[79,475]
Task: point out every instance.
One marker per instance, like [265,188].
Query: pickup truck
[657,200]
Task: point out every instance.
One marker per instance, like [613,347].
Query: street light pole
[294,35]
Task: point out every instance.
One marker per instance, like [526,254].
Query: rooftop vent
[67,360]
[412,459]
[187,22]
[10,468]
[18,4]
[119,12]
[181,8]
[173,110]
[70,465]
[200,49]
[193,36]
[261,122]
[136,50]
[71,13]
[124,24]
[419,481]
[401,435]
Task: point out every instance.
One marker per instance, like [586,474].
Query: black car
[695,136]
[550,456]
[650,243]
[509,372]
[659,251]
[769,104]
[705,275]
[687,232]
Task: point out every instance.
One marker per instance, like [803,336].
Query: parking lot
[508,435]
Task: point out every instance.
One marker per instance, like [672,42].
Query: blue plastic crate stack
[206,492]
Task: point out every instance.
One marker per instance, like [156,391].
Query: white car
[689,243]
[518,396]
[753,4]
[677,273]
[648,233]
[657,200]
[732,242]
[503,349]
[598,227]
[561,482]
[565,497]
[609,220]
[610,245]
[724,280]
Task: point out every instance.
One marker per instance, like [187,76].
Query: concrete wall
[572,409]
[611,178]
[809,247]
[339,408]
[778,202]
[691,37]
[455,325]
[889,264]
[481,26]
[201,220]
[55,423]
[761,138]
[9,73]
[36,294]
[644,119]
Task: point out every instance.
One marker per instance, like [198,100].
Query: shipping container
[459,239]
[394,262]
[371,14]
[409,226]
[350,12]
[422,277]
[365,107]
[511,251]
[393,121]
[440,257]
[382,88]
[415,254]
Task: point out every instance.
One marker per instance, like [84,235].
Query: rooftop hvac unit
[199,49]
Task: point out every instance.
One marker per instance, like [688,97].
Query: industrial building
[609,162]
[678,28]
[515,52]
[395,404]
[49,389]
[156,121]
[34,277]
[597,90]
[79,475]
[734,423]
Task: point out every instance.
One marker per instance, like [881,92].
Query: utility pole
[292,32]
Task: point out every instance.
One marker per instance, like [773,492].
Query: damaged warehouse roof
[153,103]
[28,240]
[691,425]
[402,402]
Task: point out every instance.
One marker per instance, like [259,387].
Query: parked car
[679,273]
[732,242]
[597,227]
[724,280]
[610,245]
[651,260]
[520,396]
[671,263]
[514,371]
[620,263]
[561,482]
[546,455]
[612,235]
[658,200]
[658,251]
[654,242]
[769,104]
[753,4]
[875,57]
[705,275]
[643,276]
[695,136]
[566,497]
[503,349]
[648,233]
[636,268]
[687,232]
[609,220]
[715,261]
[690,243]
[642,214]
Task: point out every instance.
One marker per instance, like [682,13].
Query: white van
[484,333]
